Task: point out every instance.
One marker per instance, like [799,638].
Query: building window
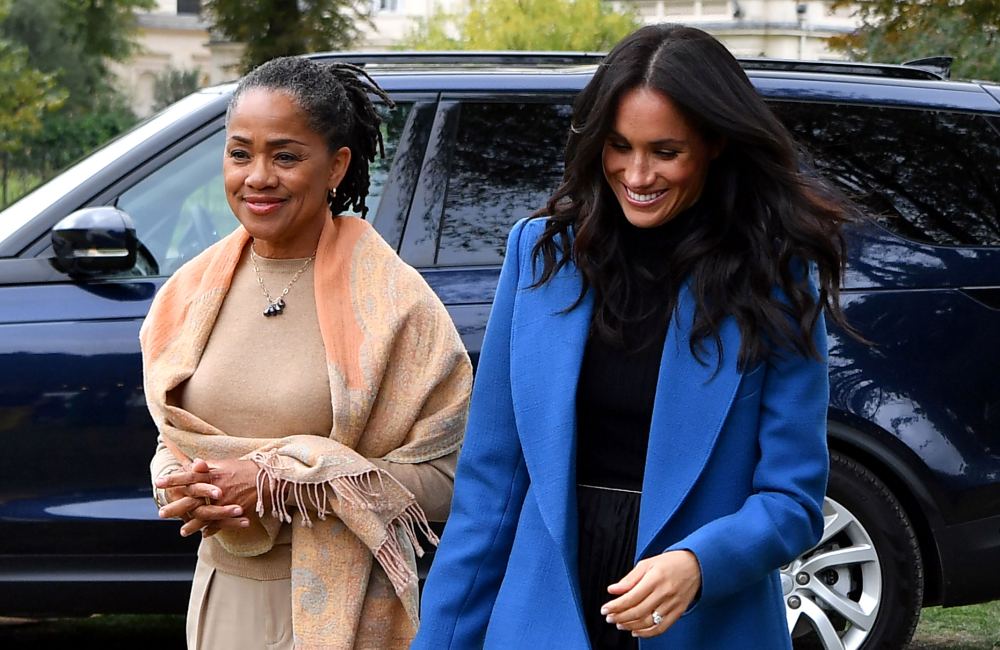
[386,6]
[188,6]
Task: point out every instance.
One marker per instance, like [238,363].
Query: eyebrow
[280,142]
[666,142]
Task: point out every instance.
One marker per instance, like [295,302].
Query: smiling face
[654,159]
[277,172]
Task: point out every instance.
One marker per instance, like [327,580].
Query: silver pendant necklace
[276,305]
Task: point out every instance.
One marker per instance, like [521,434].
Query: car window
[180,209]
[930,176]
[508,159]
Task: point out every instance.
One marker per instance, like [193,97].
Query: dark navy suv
[475,142]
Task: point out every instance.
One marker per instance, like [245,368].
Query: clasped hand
[210,496]
[665,584]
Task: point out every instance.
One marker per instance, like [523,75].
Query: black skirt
[609,524]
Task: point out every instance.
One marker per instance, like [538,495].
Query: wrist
[160,494]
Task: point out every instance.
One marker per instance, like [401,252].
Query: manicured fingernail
[620,626]
[216,494]
[609,618]
[184,533]
[237,511]
[161,513]
[244,523]
[160,482]
[604,610]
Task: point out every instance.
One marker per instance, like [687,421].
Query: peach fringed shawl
[399,385]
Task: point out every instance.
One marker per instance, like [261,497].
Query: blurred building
[174,36]
[781,29]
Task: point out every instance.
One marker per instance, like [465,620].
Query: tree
[562,25]
[897,31]
[28,95]
[75,39]
[71,42]
[273,28]
[173,84]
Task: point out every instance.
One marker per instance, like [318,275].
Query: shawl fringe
[355,490]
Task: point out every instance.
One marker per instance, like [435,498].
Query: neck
[260,250]
[303,245]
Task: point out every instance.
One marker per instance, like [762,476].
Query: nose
[638,172]
[261,174]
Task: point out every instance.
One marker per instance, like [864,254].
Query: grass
[975,627]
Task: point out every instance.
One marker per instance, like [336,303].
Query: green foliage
[66,137]
[273,28]
[562,25]
[75,39]
[66,46]
[894,31]
[28,95]
[173,84]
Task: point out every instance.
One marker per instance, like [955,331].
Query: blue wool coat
[735,472]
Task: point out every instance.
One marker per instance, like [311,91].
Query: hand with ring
[653,595]
[189,494]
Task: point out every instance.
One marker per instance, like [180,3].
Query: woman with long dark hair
[647,440]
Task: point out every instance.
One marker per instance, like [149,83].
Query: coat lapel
[546,354]
[691,405]
[692,401]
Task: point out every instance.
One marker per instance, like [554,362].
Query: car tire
[861,587]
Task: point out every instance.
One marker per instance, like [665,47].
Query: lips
[261,204]
[643,199]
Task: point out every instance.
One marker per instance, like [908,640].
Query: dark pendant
[275,308]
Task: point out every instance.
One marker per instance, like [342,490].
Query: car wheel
[861,586]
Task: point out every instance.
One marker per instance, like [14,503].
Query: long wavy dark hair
[760,222]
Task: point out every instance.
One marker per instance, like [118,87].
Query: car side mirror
[95,241]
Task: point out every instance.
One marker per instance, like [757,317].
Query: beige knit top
[266,377]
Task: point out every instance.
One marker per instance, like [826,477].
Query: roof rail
[463,58]
[922,69]
[842,67]
[939,65]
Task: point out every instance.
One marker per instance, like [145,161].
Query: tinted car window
[930,176]
[181,209]
[507,162]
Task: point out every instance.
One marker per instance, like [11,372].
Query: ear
[339,162]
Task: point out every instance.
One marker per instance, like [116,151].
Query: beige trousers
[227,612]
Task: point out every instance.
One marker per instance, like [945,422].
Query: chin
[648,220]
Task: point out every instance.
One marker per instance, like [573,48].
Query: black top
[618,379]
[614,406]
